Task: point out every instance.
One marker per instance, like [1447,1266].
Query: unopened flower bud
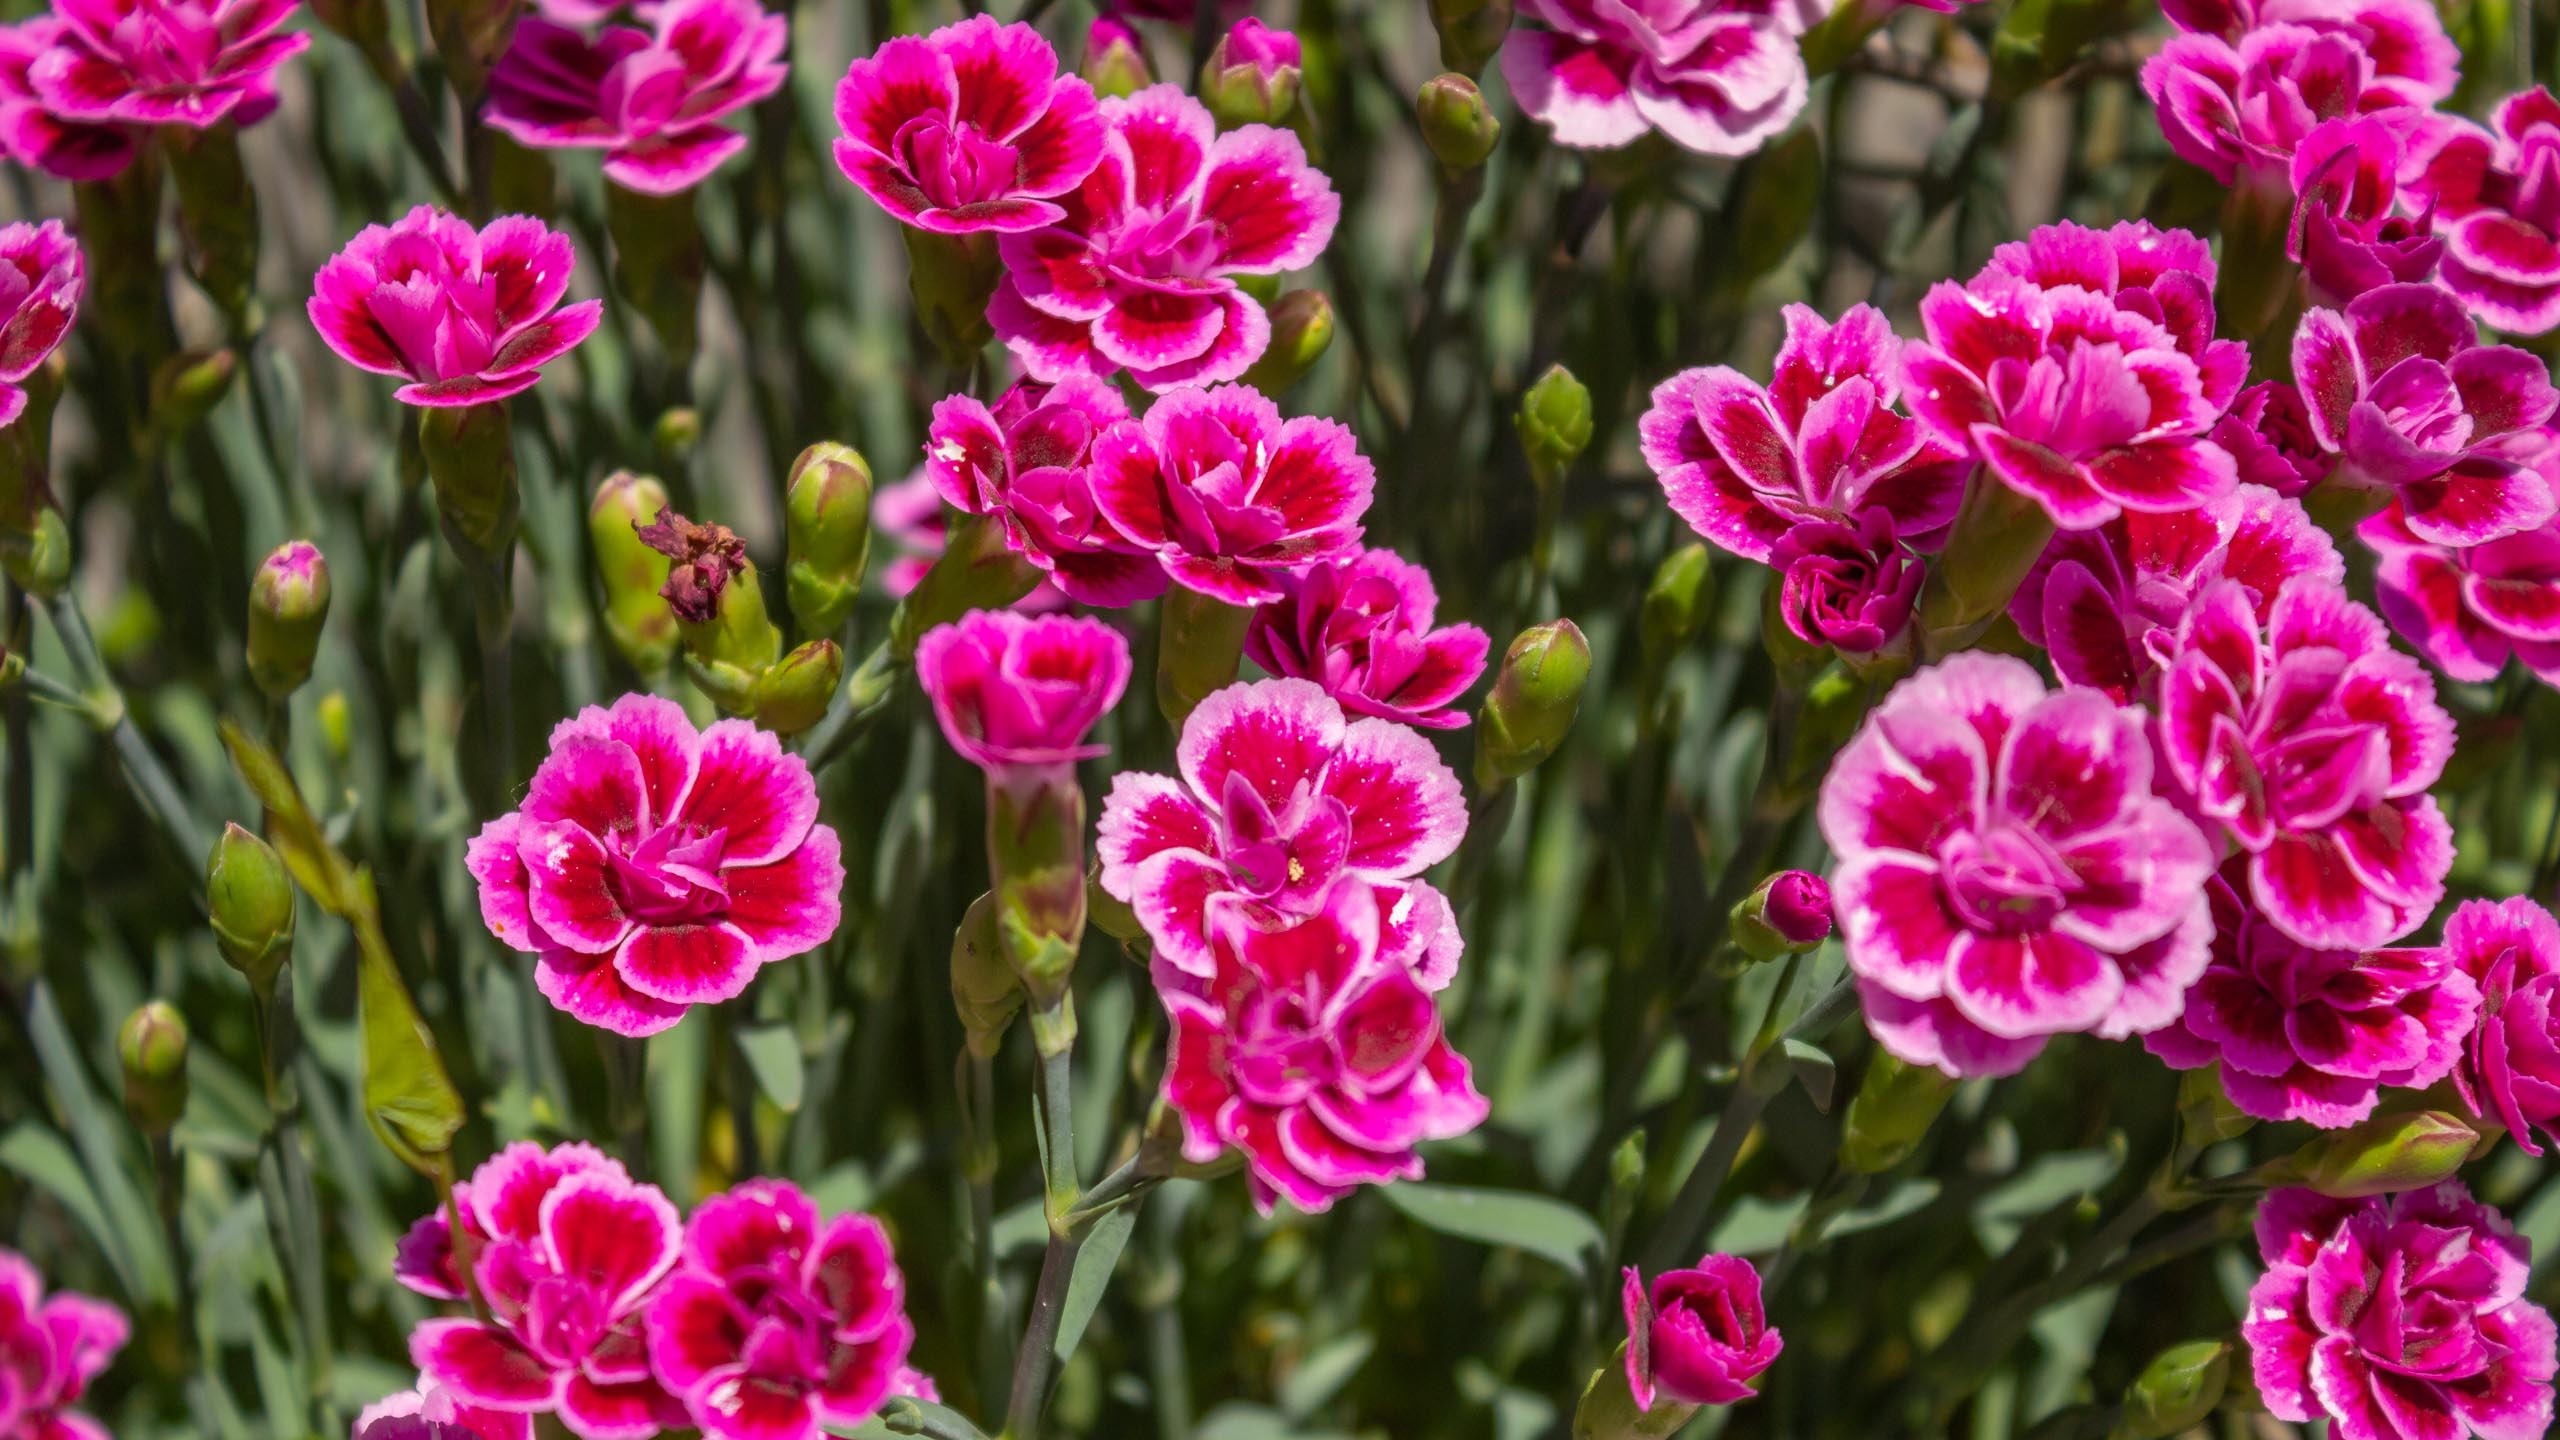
[636,618]
[1301,331]
[983,987]
[794,691]
[1456,123]
[1626,1181]
[678,430]
[471,456]
[288,605]
[1788,915]
[250,896]
[38,559]
[1533,702]
[337,725]
[1554,424]
[2386,1154]
[471,35]
[2176,1391]
[1895,1105]
[152,1047]
[1115,63]
[1252,77]
[950,278]
[1470,31]
[827,522]
[1678,601]
[187,386]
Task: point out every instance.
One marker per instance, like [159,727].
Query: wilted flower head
[2403,42]
[653,867]
[2510,1070]
[33,135]
[51,1347]
[2005,872]
[191,63]
[2267,432]
[2347,229]
[1362,628]
[970,128]
[2467,608]
[2497,203]
[705,555]
[1719,78]
[651,99]
[1697,1336]
[2400,1317]
[1013,692]
[41,276]
[1028,460]
[1140,272]
[465,316]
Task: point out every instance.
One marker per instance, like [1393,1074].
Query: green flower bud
[2206,1115]
[1895,1105]
[1198,646]
[678,430]
[793,693]
[983,987]
[1470,31]
[152,1047]
[1678,601]
[658,264]
[1115,63]
[827,521]
[1626,1181]
[471,456]
[471,35]
[951,278]
[337,725]
[977,570]
[1608,1410]
[288,605]
[1554,424]
[217,217]
[636,617]
[1533,702]
[2176,1391]
[1253,76]
[38,559]
[2386,1154]
[1456,123]
[187,386]
[1301,331]
[251,897]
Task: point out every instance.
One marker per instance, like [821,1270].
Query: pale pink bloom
[653,867]
[1028,461]
[1231,498]
[779,1322]
[2400,388]
[1278,797]
[968,129]
[2106,602]
[2400,1317]
[1015,693]
[2241,111]
[651,99]
[2495,195]
[51,1347]
[2268,434]
[1362,628]
[191,63]
[565,1251]
[41,277]
[2161,276]
[1141,271]
[1311,1045]
[2510,1072]
[2412,60]
[1719,77]
[465,316]
[1697,1336]
[430,1412]
[909,515]
[1849,589]
[1743,462]
[2005,873]
[2468,608]
[2309,742]
[33,135]
[2347,229]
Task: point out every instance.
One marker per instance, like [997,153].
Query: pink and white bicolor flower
[431,1413]
[651,99]
[2240,112]
[1017,694]
[1719,78]
[1028,460]
[2409,56]
[33,135]
[2467,608]
[464,316]
[1362,628]
[41,277]
[2163,276]
[51,1347]
[2495,196]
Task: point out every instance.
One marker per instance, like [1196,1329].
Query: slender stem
[493,620]
[749,1148]
[169,1191]
[978,1163]
[293,1211]
[1035,1364]
[863,700]
[151,781]
[626,1075]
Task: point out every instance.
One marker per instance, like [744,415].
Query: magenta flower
[33,135]
[1311,1045]
[2267,433]
[1231,498]
[1015,693]
[1362,629]
[1697,1336]
[2161,276]
[2410,58]
[2510,1069]
[1849,589]
[464,316]
[2107,602]
[2005,873]
[2347,229]
[1798,907]
[2496,202]
[778,1322]
[652,868]
[2400,1317]
[2467,609]
[1719,78]
[191,63]
[2311,743]
[1029,462]
[431,1413]
[51,1347]
[968,129]
[1743,463]
[41,276]
[2400,388]
[1141,271]
[651,99]
[565,1250]
[2241,111]
[1278,798]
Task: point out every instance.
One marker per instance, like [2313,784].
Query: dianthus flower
[41,276]
[51,1347]
[2403,42]
[2162,276]
[431,1413]
[33,135]
[968,129]
[1362,628]
[2510,1070]
[1719,78]
[189,63]
[2348,230]
[2495,200]
[2467,608]
[1014,693]
[2267,433]
[465,316]
[651,99]
[2241,111]
[1028,461]
[1697,1336]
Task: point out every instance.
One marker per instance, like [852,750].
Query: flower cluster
[651,99]
[82,88]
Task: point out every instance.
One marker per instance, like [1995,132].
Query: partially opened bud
[1533,702]
[2176,1391]
[250,896]
[1895,1105]
[1456,123]
[1789,914]
[288,606]
[1554,424]
[1678,601]
[2386,1154]
[1115,63]
[636,617]
[152,1049]
[794,691]
[827,523]
[471,457]
[1470,31]
[38,559]
[1301,331]
[1252,77]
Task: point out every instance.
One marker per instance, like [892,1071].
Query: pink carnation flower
[909,515]
[2310,742]
[565,1249]
[1312,1046]
[2005,873]
[2411,58]
[2161,276]
[2267,433]
[2239,112]
[1849,589]
[1278,798]
[1719,78]
[1362,629]
[1231,498]
[968,129]
[2467,609]
[651,99]
[1029,462]
[33,135]
[2400,388]
[41,277]
[51,1347]
[2347,229]
[653,867]
[778,1322]
[191,63]
[1141,271]
[2510,1070]
[1743,463]
[1697,1336]
[431,1413]
[1015,693]
[2400,1317]
[2495,195]
[464,316]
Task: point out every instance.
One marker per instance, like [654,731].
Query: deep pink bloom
[1278,797]
[464,316]
[1850,589]
[2347,228]
[41,276]
[1744,462]
[1311,1045]
[566,1250]
[2399,387]
[779,1322]
[2107,602]
[2412,60]
[2161,276]
[653,867]
[1798,907]
[2468,608]
[51,1347]
[1016,693]
[2311,743]
[651,99]
[2400,1317]
[968,129]
[430,1412]
[1140,272]
[194,63]
[909,515]
[1029,462]
[2510,1070]
[2241,111]
[2267,433]
[1230,497]
[1697,1336]
[1362,628]
[2496,199]
[1719,78]
[33,135]
[2005,873]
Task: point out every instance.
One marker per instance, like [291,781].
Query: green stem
[978,1162]
[1035,1364]
[293,1210]
[151,781]
[169,1191]
[856,708]
[493,621]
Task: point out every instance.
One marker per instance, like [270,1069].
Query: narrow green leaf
[1322,1375]
[773,1057]
[1092,1276]
[1814,1069]
[1542,1226]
